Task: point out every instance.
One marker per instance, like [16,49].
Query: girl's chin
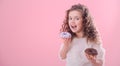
[74,31]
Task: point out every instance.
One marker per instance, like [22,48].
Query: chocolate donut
[91,51]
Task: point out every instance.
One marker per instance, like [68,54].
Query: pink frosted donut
[65,35]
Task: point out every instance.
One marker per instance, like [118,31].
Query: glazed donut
[91,51]
[65,35]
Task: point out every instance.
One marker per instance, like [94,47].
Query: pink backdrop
[29,30]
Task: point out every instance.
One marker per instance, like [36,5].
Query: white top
[76,55]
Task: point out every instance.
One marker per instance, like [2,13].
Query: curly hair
[89,29]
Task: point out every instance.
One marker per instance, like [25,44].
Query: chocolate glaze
[91,51]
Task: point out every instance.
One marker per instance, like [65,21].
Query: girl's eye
[77,18]
[70,18]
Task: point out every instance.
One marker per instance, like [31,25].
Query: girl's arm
[63,51]
[94,60]
[65,48]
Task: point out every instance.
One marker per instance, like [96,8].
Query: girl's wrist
[95,63]
[66,47]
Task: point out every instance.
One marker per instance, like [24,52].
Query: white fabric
[76,55]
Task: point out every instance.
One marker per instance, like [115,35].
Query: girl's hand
[91,58]
[66,38]
[94,60]
[66,41]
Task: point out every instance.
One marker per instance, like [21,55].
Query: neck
[79,35]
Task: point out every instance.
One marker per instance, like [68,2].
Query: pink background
[29,30]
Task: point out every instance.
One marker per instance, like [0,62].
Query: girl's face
[75,21]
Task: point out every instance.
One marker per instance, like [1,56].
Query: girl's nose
[72,20]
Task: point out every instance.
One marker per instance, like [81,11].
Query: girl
[79,24]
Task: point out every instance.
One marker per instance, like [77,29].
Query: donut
[91,51]
[65,35]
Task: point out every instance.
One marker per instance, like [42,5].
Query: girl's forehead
[78,10]
[74,13]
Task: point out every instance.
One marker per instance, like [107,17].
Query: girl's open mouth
[73,26]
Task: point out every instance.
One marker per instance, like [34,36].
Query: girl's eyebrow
[75,16]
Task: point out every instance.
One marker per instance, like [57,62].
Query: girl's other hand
[91,58]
